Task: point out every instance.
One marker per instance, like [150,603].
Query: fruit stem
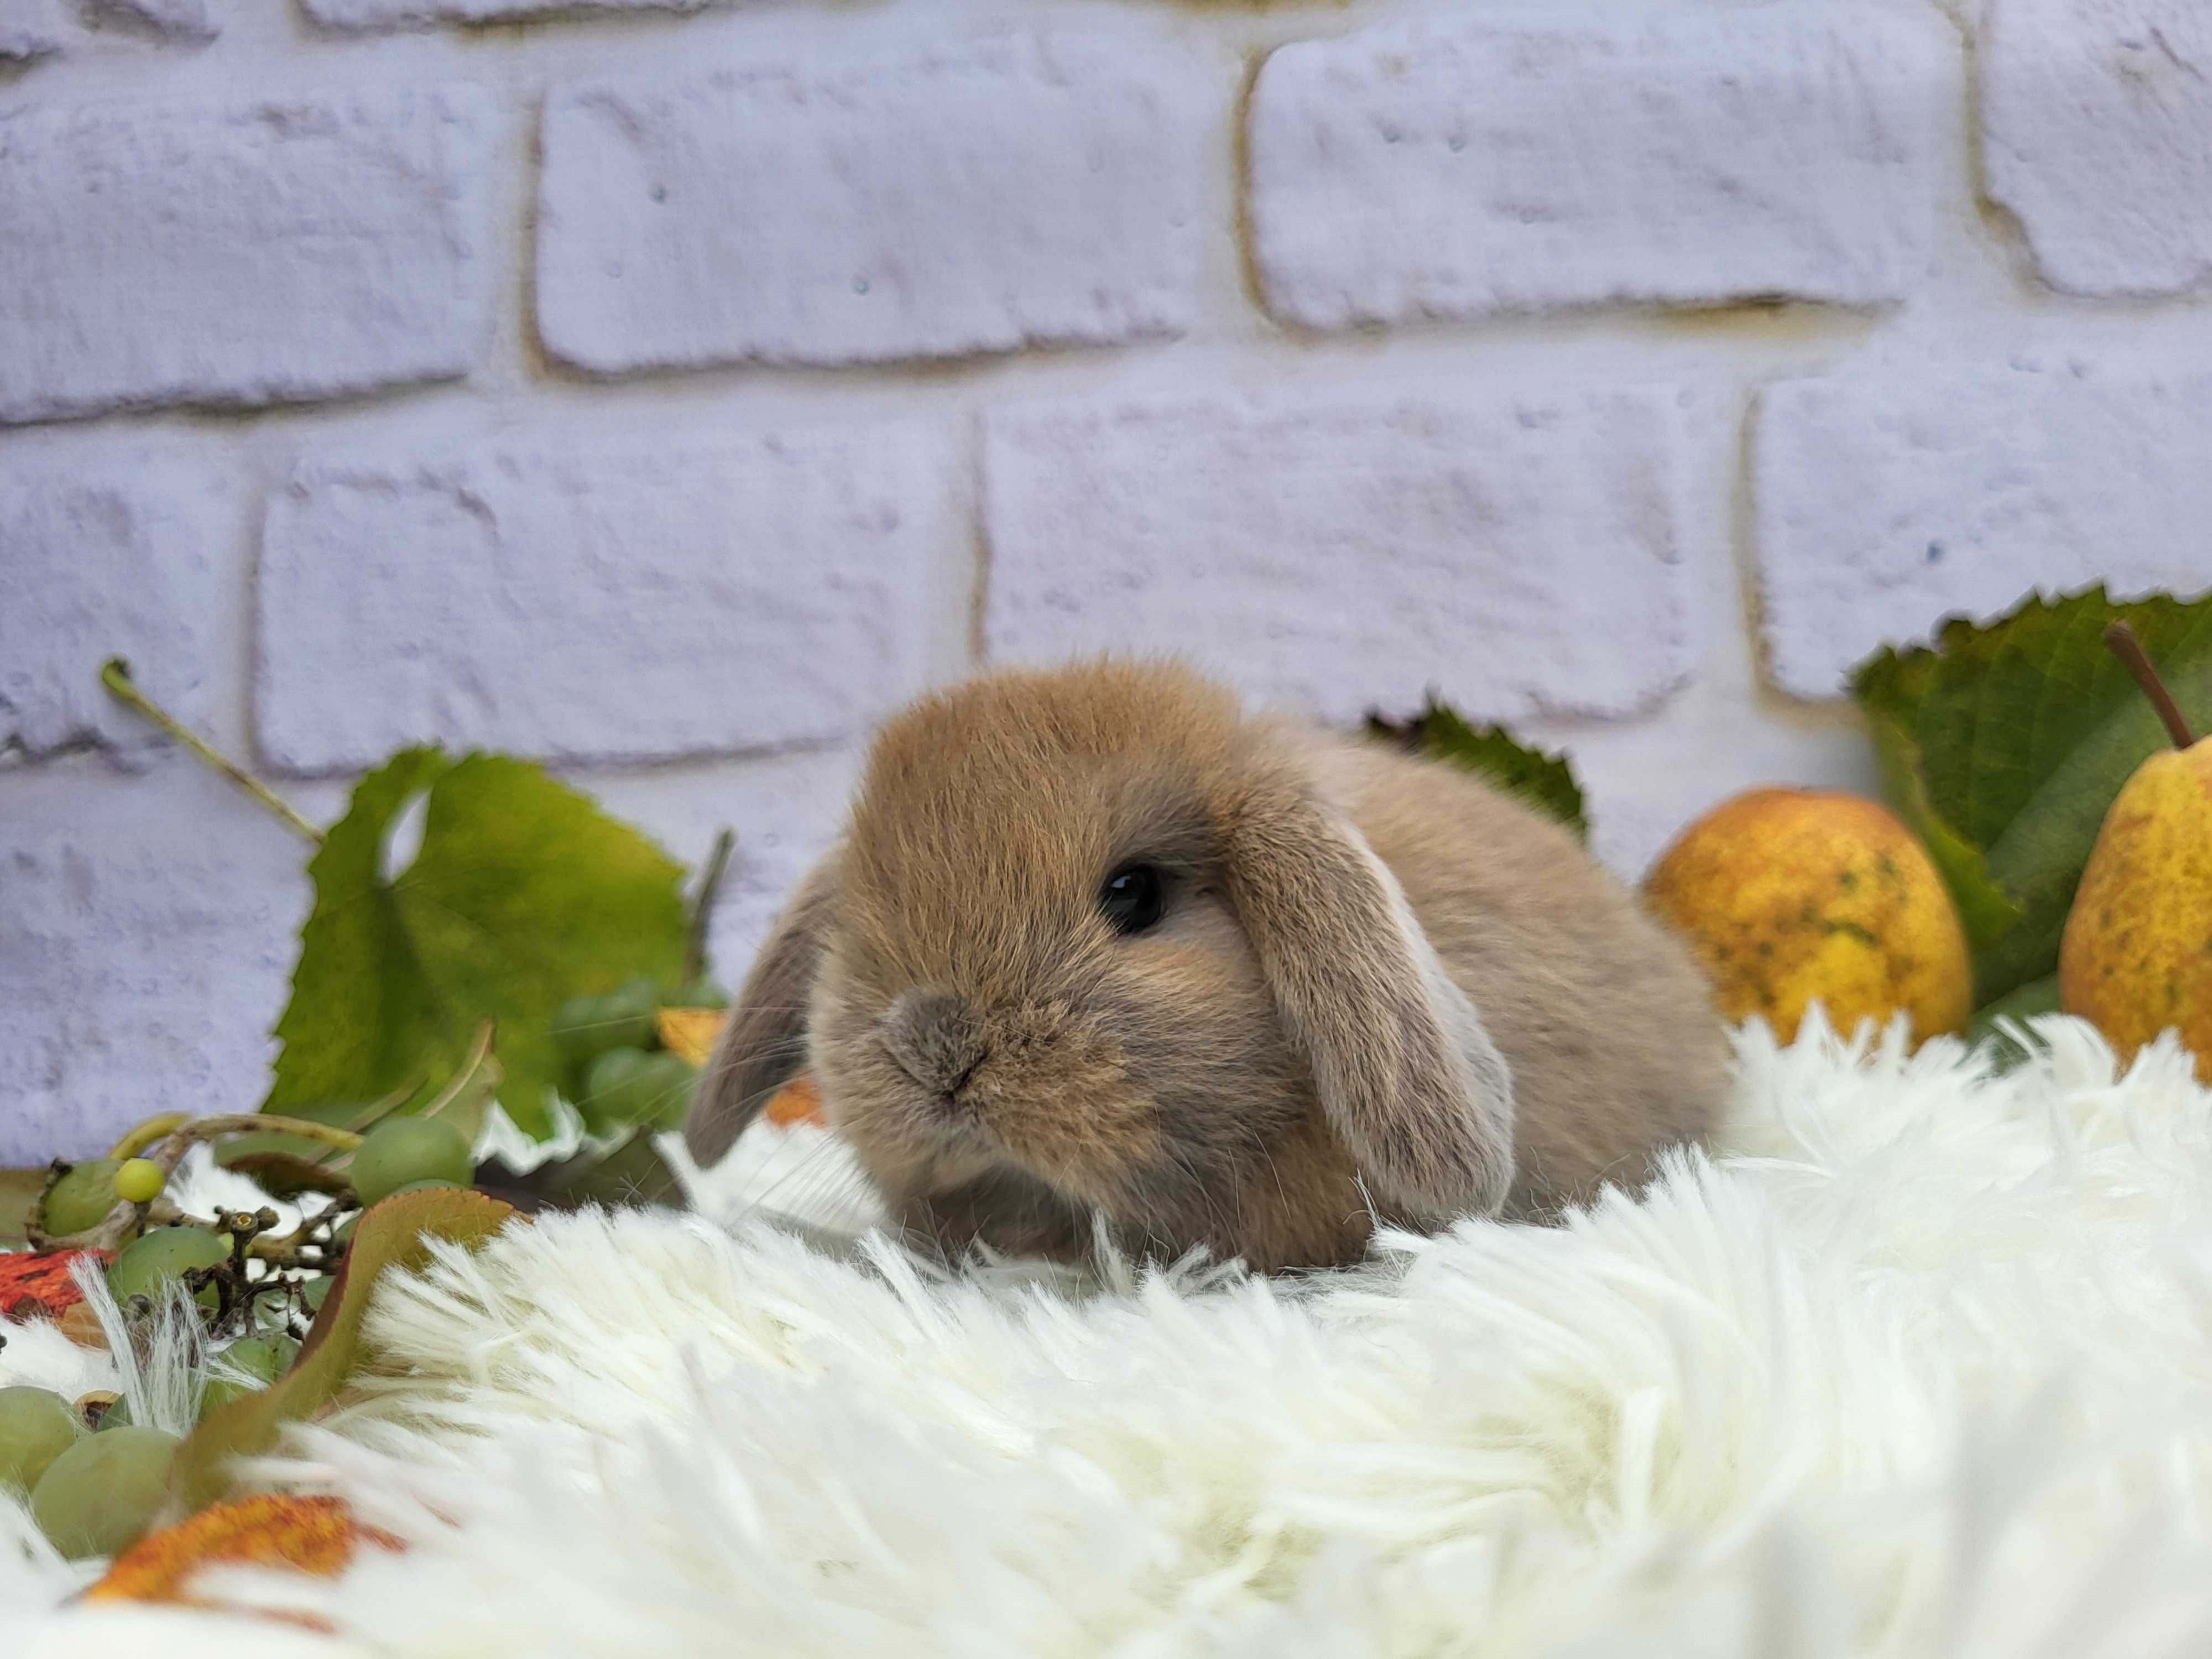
[153,1129]
[115,674]
[2128,649]
[121,1222]
[244,1123]
[702,905]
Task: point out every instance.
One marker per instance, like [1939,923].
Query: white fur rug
[1922,1365]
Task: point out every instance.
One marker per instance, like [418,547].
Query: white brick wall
[2097,132]
[964,200]
[1600,155]
[110,549]
[293,248]
[582,597]
[1909,490]
[664,389]
[144,947]
[1522,554]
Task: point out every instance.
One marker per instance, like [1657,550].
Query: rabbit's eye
[1130,900]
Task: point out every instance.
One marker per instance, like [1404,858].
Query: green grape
[98,1496]
[163,1253]
[667,1092]
[584,1028]
[704,992]
[139,1181]
[606,1087]
[81,1199]
[401,1150]
[116,1416]
[425,1186]
[579,1027]
[312,1293]
[262,1358]
[627,1086]
[36,1427]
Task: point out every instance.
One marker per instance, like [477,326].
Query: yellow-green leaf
[522,894]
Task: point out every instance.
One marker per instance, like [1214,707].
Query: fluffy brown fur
[1377,987]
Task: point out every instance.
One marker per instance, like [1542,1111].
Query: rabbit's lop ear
[1408,1076]
[763,1042]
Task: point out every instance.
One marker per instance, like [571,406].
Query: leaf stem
[477,1069]
[702,905]
[2128,649]
[115,674]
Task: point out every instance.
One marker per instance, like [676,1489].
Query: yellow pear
[2136,956]
[1789,894]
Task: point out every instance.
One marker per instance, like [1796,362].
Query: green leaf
[1544,781]
[395,1234]
[1986,909]
[522,895]
[2004,744]
[2038,996]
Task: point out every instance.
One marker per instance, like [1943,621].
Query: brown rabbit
[1096,948]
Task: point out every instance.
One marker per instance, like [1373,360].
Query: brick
[973,198]
[1520,554]
[108,549]
[145,948]
[29,30]
[579,597]
[1897,494]
[2096,132]
[291,249]
[399,13]
[1453,170]
[174,20]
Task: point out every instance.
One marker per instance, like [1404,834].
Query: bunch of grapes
[92,1476]
[620,1076]
[91,1490]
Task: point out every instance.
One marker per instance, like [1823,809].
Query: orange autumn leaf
[798,1102]
[316,1535]
[36,1285]
[692,1033]
[689,1033]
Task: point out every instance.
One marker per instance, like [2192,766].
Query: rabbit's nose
[933,1037]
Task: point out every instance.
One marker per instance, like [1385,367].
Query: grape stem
[2128,649]
[126,1218]
[147,1134]
[702,904]
[115,674]
[285,1252]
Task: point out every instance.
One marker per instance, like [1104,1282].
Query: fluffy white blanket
[1920,1364]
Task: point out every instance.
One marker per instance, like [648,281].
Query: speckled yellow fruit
[1789,894]
[2137,956]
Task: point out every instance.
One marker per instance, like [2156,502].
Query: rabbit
[1099,956]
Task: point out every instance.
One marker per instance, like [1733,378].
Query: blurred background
[665,391]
